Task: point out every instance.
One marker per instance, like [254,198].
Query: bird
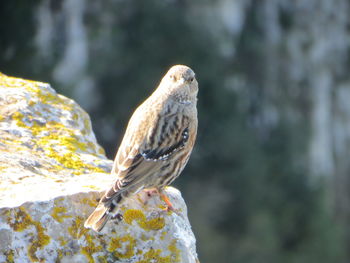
[156,146]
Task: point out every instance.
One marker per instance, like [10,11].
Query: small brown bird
[157,143]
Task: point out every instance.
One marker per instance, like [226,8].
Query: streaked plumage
[157,143]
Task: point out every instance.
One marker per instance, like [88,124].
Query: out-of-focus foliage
[16,43]
[249,194]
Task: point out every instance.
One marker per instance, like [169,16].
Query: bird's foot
[169,206]
[147,194]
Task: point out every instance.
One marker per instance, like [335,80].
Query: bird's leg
[147,194]
[165,198]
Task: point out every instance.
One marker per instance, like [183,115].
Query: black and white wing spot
[163,154]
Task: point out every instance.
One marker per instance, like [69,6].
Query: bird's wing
[168,135]
[143,151]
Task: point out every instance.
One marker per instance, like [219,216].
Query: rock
[52,171]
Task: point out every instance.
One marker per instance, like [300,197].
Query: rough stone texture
[51,173]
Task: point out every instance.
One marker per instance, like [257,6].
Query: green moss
[137,215]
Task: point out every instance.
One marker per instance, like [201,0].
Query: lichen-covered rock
[52,171]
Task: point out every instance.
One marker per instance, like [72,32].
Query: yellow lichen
[59,255]
[154,255]
[101,151]
[31,103]
[77,229]
[122,247]
[58,213]
[88,201]
[144,237]
[90,248]
[137,215]
[87,124]
[90,186]
[18,116]
[11,82]
[22,220]
[79,232]
[38,243]
[63,241]
[49,97]
[52,137]
[102,259]
[62,136]
[10,256]
[162,236]
[33,89]
[175,252]
[133,214]
[153,224]
[19,220]
[75,116]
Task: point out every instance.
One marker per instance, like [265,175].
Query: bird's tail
[107,207]
[98,218]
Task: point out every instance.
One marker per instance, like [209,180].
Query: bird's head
[181,84]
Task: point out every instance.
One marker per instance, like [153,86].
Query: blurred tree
[17,28]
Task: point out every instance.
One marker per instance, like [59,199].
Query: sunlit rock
[52,171]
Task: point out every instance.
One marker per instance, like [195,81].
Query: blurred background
[269,179]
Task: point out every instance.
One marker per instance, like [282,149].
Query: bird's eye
[191,79]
